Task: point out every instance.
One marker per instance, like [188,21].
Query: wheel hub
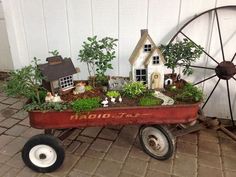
[153,143]
[42,156]
[225,70]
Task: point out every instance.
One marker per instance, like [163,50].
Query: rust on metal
[115,116]
[225,70]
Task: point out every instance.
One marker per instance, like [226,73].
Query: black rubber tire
[170,142]
[43,139]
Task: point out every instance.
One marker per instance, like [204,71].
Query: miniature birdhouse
[147,62]
[58,74]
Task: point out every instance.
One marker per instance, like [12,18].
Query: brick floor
[113,151]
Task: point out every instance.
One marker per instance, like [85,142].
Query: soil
[98,92]
[69,97]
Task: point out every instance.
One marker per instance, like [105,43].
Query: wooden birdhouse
[58,74]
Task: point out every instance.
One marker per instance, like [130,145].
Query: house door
[141,75]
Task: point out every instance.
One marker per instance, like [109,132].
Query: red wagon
[43,153]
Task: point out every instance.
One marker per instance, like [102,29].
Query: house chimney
[143,31]
[54,60]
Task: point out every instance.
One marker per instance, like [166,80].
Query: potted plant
[98,54]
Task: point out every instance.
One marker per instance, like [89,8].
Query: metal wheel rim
[221,65]
[42,156]
[155,141]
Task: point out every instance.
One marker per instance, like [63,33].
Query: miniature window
[156,60]
[66,82]
[147,47]
[141,75]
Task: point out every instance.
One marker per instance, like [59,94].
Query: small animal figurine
[49,97]
[105,102]
[79,88]
[120,99]
[113,100]
[57,99]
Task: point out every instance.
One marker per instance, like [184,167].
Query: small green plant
[54,53]
[88,88]
[113,94]
[26,82]
[134,89]
[190,93]
[181,53]
[85,104]
[98,54]
[46,106]
[150,101]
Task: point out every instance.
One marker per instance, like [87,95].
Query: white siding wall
[35,27]
[5,54]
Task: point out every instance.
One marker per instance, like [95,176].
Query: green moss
[150,101]
[85,104]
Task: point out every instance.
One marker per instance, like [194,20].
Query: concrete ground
[113,151]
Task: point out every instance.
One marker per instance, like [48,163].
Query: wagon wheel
[43,153]
[217,65]
[157,141]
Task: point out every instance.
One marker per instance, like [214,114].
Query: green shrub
[113,94]
[149,101]
[85,104]
[134,89]
[190,93]
[88,88]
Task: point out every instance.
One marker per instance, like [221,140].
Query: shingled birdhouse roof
[56,68]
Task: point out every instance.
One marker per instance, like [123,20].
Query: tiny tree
[98,54]
[181,53]
[26,82]
[54,53]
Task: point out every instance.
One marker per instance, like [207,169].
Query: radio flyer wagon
[43,152]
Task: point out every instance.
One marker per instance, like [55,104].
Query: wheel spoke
[230,108]
[202,67]
[210,94]
[199,48]
[205,79]
[219,31]
[233,57]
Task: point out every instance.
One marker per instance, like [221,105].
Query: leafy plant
[113,94]
[189,93]
[88,88]
[85,104]
[181,53]
[98,54]
[47,106]
[26,82]
[149,101]
[54,53]
[134,89]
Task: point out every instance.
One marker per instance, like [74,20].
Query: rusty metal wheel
[215,31]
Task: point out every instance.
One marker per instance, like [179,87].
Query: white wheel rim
[155,141]
[42,155]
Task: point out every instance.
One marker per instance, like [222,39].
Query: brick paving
[113,151]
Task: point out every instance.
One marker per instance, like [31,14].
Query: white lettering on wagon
[107,116]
